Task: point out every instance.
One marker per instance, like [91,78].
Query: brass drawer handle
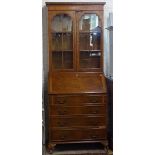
[60,101]
[95,112]
[95,123]
[61,124]
[62,112]
[94,100]
[94,136]
[62,137]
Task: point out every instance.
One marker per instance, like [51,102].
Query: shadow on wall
[108,46]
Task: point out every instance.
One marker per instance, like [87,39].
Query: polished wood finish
[77,121]
[81,110]
[75,6]
[68,82]
[78,100]
[75,3]
[86,134]
[77,90]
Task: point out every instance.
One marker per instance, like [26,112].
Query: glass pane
[89,59]
[67,41]
[68,59]
[84,41]
[62,22]
[56,41]
[66,23]
[62,42]
[90,41]
[95,42]
[57,60]
[89,22]
[84,59]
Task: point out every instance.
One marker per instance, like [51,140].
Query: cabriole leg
[106,148]
[50,148]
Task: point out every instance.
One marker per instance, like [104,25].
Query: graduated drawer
[75,110]
[77,99]
[77,121]
[77,134]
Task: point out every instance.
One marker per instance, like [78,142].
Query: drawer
[77,121]
[77,134]
[64,135]
[77,99]
[75,110]
[64,100]
[92,99]
[95,134]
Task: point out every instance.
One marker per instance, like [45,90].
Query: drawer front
[92,99]
[64,135]
[76,110]
[77,99]
[94,134]
[77,134]
[77,121]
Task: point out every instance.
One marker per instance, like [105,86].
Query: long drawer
[75,100]
[77,134]
[75,110]
[77,121]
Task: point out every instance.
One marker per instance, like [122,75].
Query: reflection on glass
[57,60]
[89,22]
[67,41]
[68,60]
[90,41]
[56,41]
[95,42]
[90,59]
[62,22]
[84,41]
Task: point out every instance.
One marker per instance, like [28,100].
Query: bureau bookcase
[77,91]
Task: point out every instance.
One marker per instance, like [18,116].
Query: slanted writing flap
[68,83]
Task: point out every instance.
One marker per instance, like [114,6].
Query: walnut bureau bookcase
[77,91]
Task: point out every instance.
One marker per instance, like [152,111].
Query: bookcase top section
[76,83]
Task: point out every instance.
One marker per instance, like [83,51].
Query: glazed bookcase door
[90,41]
[61,41]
